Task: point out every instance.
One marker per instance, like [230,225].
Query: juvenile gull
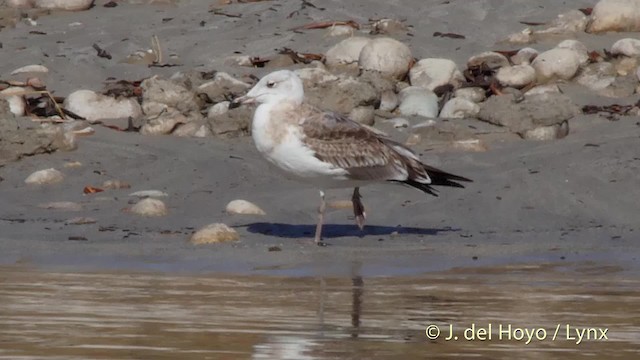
[330,150]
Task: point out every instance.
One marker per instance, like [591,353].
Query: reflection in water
[155,316]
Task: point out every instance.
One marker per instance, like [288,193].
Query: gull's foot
[360,219]
[321,243]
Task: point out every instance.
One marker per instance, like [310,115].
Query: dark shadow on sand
[330,231]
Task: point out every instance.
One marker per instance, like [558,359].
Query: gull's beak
[241,100]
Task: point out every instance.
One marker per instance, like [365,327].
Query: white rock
[30,69]
[524,56]
[386,55]
[203,131]
[239,60]
[475,94]
[523,37]
[556,64]
[214,233]
[150,207]
[219,89]
[72,164]
[44,177]
[17,104]
[416,100]
[398,123]
[115,184]
[516,76]
[626,65]
[545,133]
[218,109]
[81,221]
[340,30]
[388,100]
[363,115]
[458,108]
[597,76]
[627,47]
[61,205]
[187,130]
[164,124]
[431,73]
[580,49]
[346,52]
[149,193]
[615,15]
[70,5]
[160,95]
[93,106]
[243,207]
[492,59]
[315,76]
[573,21]
[543,89]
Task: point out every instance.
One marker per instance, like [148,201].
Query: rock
[363,115]
[30,69]
[388,26]
[279,61]
[441,132]
[223,87]
[149,193]
[45,177]
[388,101]
[93,106]
[164,124]
[72,165]
[149,207]
[218,109]
[473,145]
[579,48]
[556,64]
[524,56]
[517,76]
[315,76]
[543,89]
[573,21]
[458,108]
[492,59]
[69,5]
[340,30]
[545,133]
[21,137]
[627,47]
[235,122]
[192,129]
[597,76]
[475,94]
[81,221]
[626,66]
[239,60]
[346,52]
[386,55]
[431,73]
[14,96]
[61,205]
[341,96]
[532,112]
[376,79]
[622,87]
[115,184]
[615,15]
[213,234]
[243,207]
[523,37]
[416,100]
[161,95]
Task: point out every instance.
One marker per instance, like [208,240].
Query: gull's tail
[438,178]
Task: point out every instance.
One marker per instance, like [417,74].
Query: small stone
[545,133]
[472,145]
[239,60]
[458,108]
[93,106]
[418,101]
[556,64]
[597,76]
[346,52]
[580,49]
[15,98]
[150,208]
[475,94]
[432,73]
[69,5]
[517,76]
[72,164]
[315,76]
[626,66]
[363,115]
[30,69]
[622,87]
[164,124]
[45,177]
[61,205]
[491,59]
[190,129]
[388,100]
[523,37]
[388,26]
[213,234]
[115,184]
[615,15]
[243,207]
[387,56]
[161,95]
[218,109]
[341,96]
[543,89]
[223,87]
[524,56]
[627,47]
[340,30]
[149,193]
[81,221]
[573,21]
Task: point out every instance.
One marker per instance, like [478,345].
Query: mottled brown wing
[365,154]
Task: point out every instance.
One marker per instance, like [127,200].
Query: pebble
[346,52]
[546,133]
[572,21]
[475,94]
[45,177]
[61,205]
[149,193]
[149,207]
[524,56]
[243,207]
[72,164]
[222,87]
[431,73]
[597,76]
[577,46]
[214,233]
[340,30]
[386,55]
[388,26]
[218,109]
[70,5]
[315,76]
[458,108]
[17,104]
[81,221]
[492,59]
[115,184]
[626,65]
[161,95]
[363,115]
[517,76]
[615,15]
[474,145]
[30,69]
[543,89]
[388,100]
[627,47]
[556,64]
[93,106]
[164,124]
[418,101]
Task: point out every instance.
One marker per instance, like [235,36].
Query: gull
[329,150]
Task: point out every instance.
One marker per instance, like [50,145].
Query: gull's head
[282,85]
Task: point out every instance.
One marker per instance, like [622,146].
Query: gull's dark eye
[271,84]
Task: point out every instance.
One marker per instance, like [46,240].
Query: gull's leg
[358,208]
[318,236]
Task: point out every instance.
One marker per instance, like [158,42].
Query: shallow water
[46,315]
